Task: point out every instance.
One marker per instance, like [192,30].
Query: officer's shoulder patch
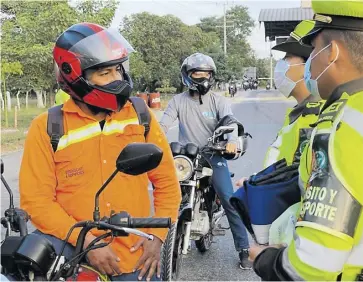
[327,203]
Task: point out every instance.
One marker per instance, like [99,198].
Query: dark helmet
[87,46]
[198,62]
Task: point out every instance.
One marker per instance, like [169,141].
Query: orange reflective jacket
[58,189]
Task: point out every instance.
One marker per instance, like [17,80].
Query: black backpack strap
[55,125]
[142,112]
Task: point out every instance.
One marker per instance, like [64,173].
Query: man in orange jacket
[57,188]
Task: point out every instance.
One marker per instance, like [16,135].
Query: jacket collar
[350,88]
[71,107]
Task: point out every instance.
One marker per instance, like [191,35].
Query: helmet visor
[199,62]
[106,46]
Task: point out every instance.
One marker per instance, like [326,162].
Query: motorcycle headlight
[184,168]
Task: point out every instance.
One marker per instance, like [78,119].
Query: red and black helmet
[86,46]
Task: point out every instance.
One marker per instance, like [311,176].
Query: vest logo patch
[330,113]
[312,105]
[319,202]
[74,172]
[327,203]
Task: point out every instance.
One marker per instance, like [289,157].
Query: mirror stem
[9,191]
[96,212]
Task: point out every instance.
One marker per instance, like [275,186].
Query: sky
[190,12]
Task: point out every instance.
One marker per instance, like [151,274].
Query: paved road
[262,114]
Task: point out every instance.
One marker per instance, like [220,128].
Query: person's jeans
[223,186]
[68,252]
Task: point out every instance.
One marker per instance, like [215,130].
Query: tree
[8,69]
[162,43]
[30,30]
[239,52]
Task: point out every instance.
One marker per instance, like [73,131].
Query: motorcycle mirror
[223,130]
[134,159]
[138,158]
[11,198]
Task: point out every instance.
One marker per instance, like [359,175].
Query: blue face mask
[312,84]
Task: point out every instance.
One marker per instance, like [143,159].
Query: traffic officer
[61,97]
[289,80]
[328,239]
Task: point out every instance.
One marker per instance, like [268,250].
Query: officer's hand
[103,259]
[254,251]
[150,258]
[240,182]
[231,148]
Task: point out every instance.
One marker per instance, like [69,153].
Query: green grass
[11,139]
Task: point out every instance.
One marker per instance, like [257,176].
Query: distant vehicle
[232,90]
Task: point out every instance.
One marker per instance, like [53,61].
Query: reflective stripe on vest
[92,130]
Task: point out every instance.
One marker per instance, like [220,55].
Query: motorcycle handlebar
[221,149]
[150,222]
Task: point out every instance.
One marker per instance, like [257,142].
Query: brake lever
[138,233]
[124,231]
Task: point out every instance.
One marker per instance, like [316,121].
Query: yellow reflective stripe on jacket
[118,126]
[92,130]
[273,153]
[287,144]
[314,259]
[79,135]
[353,118]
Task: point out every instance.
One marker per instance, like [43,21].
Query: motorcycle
[232,90]
[268,87]
[30,257]
[251,84]
[246,85]
[255,85]
[200,209]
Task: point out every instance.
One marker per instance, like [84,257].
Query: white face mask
[284,84]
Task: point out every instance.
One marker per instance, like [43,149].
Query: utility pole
[225,26]
[271,71]
[225,29]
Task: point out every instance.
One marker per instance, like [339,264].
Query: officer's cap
[336,14]
[292,45]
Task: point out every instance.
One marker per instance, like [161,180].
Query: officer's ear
[335,51]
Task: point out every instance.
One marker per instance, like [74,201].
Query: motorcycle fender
[185,214]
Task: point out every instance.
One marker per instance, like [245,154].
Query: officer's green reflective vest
[328,241]
[61,97]
[295,133]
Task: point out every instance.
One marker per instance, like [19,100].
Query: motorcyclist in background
[198,111]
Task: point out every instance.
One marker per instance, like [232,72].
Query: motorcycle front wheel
[204,243]
[171,255]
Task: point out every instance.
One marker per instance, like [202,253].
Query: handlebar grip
[150,222]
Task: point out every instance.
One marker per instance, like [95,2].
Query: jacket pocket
[133,133]
[70,167]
